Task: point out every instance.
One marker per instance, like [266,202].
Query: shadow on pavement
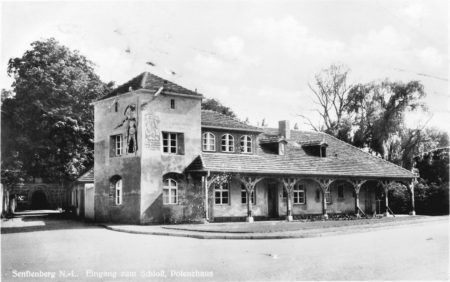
[43,222]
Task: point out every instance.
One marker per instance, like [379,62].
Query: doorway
[272,200]
[39,200]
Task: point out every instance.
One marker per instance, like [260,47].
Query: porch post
[250,183]
[411,190]
[205,190]
[357,186]
[209,205]
[324,186]
[289,186]
[249,205]
[386,198]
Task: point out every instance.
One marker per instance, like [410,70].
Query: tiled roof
[151,82]
[87,176]
[212,119]
[271,139]
[343,160]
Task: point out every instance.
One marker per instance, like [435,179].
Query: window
[172,103]
[328,197]
[118,191]
[244,195]
[221,194]
[323,151]
[209,141]
[170,192]
[299,194]
[227,143]
[116,107]
[246,144]
[173,143]
[340,189]
[117,145]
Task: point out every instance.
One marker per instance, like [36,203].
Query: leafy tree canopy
[47,125]
[372,115]
[217,106]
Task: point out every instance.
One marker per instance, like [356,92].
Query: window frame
[299,189]
[229,139]
[328,198]
[208,141]
[118,192]
[246,145]
[171,189]
[118,145]
[220,190]
[244,195]
[169,145]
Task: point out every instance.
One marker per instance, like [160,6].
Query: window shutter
[304,193]
[112,146]
[180,143]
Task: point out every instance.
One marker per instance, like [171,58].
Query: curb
[261,236]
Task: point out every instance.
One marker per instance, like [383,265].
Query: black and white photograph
[225,140]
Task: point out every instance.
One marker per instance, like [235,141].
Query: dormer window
[323,151]
[315,148]
[281,148]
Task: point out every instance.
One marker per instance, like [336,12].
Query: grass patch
[283,226]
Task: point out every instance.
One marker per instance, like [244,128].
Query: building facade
[159,159]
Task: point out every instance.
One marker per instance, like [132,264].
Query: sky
[257,57]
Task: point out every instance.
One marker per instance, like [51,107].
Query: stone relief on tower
[152,137]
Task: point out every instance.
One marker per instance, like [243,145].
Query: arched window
[246,144]
[209,142]
[170,191]
[118,191]
[227,143]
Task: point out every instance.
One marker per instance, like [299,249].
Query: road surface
[80,252]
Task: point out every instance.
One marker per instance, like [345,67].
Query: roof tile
[151,82]
[342,160]
[212,119]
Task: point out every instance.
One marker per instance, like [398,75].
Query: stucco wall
[106,165]
[313,204]
[235,208]
[158,117]
[56,195]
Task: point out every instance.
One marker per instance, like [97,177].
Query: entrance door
[89,197]
[368,201]
[272,200]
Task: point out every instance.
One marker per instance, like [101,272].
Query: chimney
[284,129]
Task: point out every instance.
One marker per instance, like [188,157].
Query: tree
[331,89]
[432,191]
[47,126]
[378,111]
[217,106]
